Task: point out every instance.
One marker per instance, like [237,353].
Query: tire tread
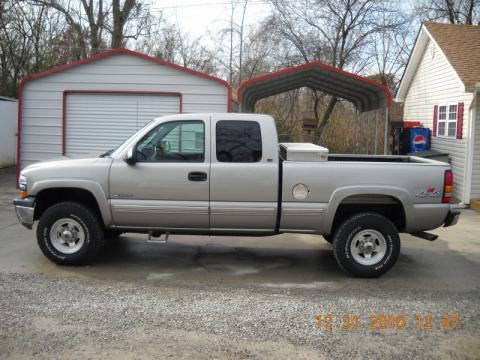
[96,230]
[339,233]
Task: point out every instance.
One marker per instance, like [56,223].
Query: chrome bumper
[452,218]
[25,208]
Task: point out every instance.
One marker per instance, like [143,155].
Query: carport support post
[385,134]
[355,118]
[360,133]
[376,132]
[368,132]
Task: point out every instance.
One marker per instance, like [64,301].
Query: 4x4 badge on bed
[428,192]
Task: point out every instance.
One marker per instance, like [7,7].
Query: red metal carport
[366,94]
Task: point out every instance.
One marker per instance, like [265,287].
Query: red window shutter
[460,120]
[435,118]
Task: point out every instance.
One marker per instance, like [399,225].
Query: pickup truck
[226,174]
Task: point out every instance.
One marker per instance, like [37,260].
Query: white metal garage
[92,105]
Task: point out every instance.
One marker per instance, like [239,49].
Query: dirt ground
[241,298]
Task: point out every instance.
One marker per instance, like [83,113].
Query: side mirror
[130,158]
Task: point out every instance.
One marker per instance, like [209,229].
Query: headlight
[22,185]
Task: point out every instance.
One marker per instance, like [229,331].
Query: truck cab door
[168,185]
[243,174]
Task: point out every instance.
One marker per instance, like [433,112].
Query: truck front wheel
[69,233]
[366,245]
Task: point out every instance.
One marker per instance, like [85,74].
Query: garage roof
[365,93]
[131,53]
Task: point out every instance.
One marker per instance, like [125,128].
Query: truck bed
[308,152]
[379,158]
[362,178]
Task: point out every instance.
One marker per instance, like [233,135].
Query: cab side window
[238,141]
[175,141]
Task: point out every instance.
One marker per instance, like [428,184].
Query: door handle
[197,176]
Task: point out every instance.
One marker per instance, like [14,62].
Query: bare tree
[73,19]
[98,17]
[230,42]
[26,37]
[453,11]
[241,40]
[120,17]
[390,48]
[168,42]
[333,31]
[259,53]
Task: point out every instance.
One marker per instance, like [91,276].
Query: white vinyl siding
[42,100]
[96,123]
[435,83]
[475,193]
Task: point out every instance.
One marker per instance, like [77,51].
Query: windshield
[122,146]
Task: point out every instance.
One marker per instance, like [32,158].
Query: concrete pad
[283,260]
[233,297]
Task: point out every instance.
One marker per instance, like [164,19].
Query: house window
[447,120]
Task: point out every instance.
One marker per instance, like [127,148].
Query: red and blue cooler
[418,139]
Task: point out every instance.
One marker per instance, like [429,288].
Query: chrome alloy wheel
[368,247]
[67,236]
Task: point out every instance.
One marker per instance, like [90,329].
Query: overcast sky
[197,17]
[200,16]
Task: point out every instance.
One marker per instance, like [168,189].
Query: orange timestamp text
[383,322]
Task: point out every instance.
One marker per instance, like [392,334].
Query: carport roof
[365,93]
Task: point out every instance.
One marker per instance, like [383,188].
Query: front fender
[342,193]
[93,187]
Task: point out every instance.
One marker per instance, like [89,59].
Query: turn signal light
[23,194]
[447,187]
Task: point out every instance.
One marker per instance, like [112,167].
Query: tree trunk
[94,40]
[326,117]
[3,74]
[451,11]
[469,15]
[230,64]
[117,33]
[315,107]
[120,17]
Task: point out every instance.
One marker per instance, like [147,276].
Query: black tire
[362,222]
[88,221]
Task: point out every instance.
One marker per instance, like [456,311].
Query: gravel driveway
[241,298]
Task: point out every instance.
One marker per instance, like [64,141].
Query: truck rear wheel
[69,233]
[366,245]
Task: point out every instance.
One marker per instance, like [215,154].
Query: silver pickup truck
[226,174]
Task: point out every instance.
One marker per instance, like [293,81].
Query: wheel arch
[86,192]
[367,198]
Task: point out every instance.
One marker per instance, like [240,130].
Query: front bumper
[25,209]
[452,218]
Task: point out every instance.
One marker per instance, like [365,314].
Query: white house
[441,89]
[8,131]
[91,106]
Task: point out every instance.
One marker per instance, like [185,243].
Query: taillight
[447,187]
